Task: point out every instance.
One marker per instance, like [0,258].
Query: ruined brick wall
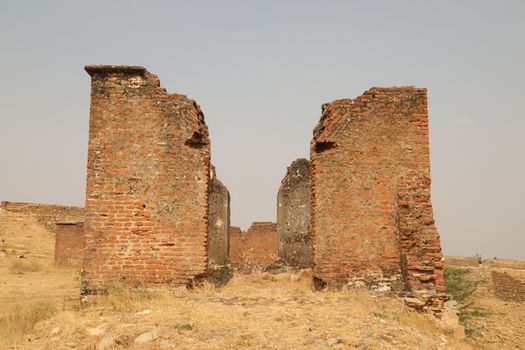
[371,211]
[256,247]
[218,222]
[235,244]
[69,243]
[508,287]
[46,214]
[147,183]
[293,216]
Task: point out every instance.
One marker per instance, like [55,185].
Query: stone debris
[106,342]
[146,337]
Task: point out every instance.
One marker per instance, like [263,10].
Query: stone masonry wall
[147,183]
[256,247]
[218,222]
[69,243]
[293,216]
[47,214]
[371,212]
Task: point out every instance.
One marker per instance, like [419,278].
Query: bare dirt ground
[253,311]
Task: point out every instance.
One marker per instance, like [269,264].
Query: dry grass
[20,320]
[21,266]
[251,312]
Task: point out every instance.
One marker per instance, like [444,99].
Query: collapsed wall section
[218,222]
[69,243]
[293,216]
[371,211]
[147,183]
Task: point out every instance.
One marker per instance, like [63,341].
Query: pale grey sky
[260,71]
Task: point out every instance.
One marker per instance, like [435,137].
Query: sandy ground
[254,311]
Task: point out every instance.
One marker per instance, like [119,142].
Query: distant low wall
[256,247]
[47,214]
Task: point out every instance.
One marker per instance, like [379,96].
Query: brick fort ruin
[372,219]
[358,212]
[148,174]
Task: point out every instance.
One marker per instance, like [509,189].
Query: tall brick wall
[147,183]
[69,243]
[293,216]
[47,214]
[218,222]
[256,247]
[371,210]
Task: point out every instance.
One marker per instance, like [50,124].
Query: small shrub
[184,326]
[21,266]
[22,319]
[462,290]
[120,296]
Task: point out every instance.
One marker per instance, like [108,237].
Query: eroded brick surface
[371,211]
[293,216]
[69,243]
[147,183]
[219,222]
[254,248]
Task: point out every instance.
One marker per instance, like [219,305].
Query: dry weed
[20,266]
[20,320]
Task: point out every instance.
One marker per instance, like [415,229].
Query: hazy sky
[260,71]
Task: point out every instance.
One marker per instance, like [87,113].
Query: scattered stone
[333,341]
[145,312]
[71,344]
[164,344]
[95,331]
[106,342]
[31,337]
[169,334]
[146,337]
[2,254]
[414,302]
[55,331]
[449,321]
[310,339]
[124,340]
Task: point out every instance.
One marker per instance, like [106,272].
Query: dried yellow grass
[19,320]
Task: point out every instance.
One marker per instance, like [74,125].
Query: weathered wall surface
[147,183]
[69,243]
[218,222]
[371,211]
[293,216]
[47,214]
[256,247]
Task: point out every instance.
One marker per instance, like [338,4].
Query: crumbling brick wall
[235,244]
[371,211]
[293,216]
[147,183]
[256,247]
[69,243]
[47,214]
[508,287]
[218,222]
